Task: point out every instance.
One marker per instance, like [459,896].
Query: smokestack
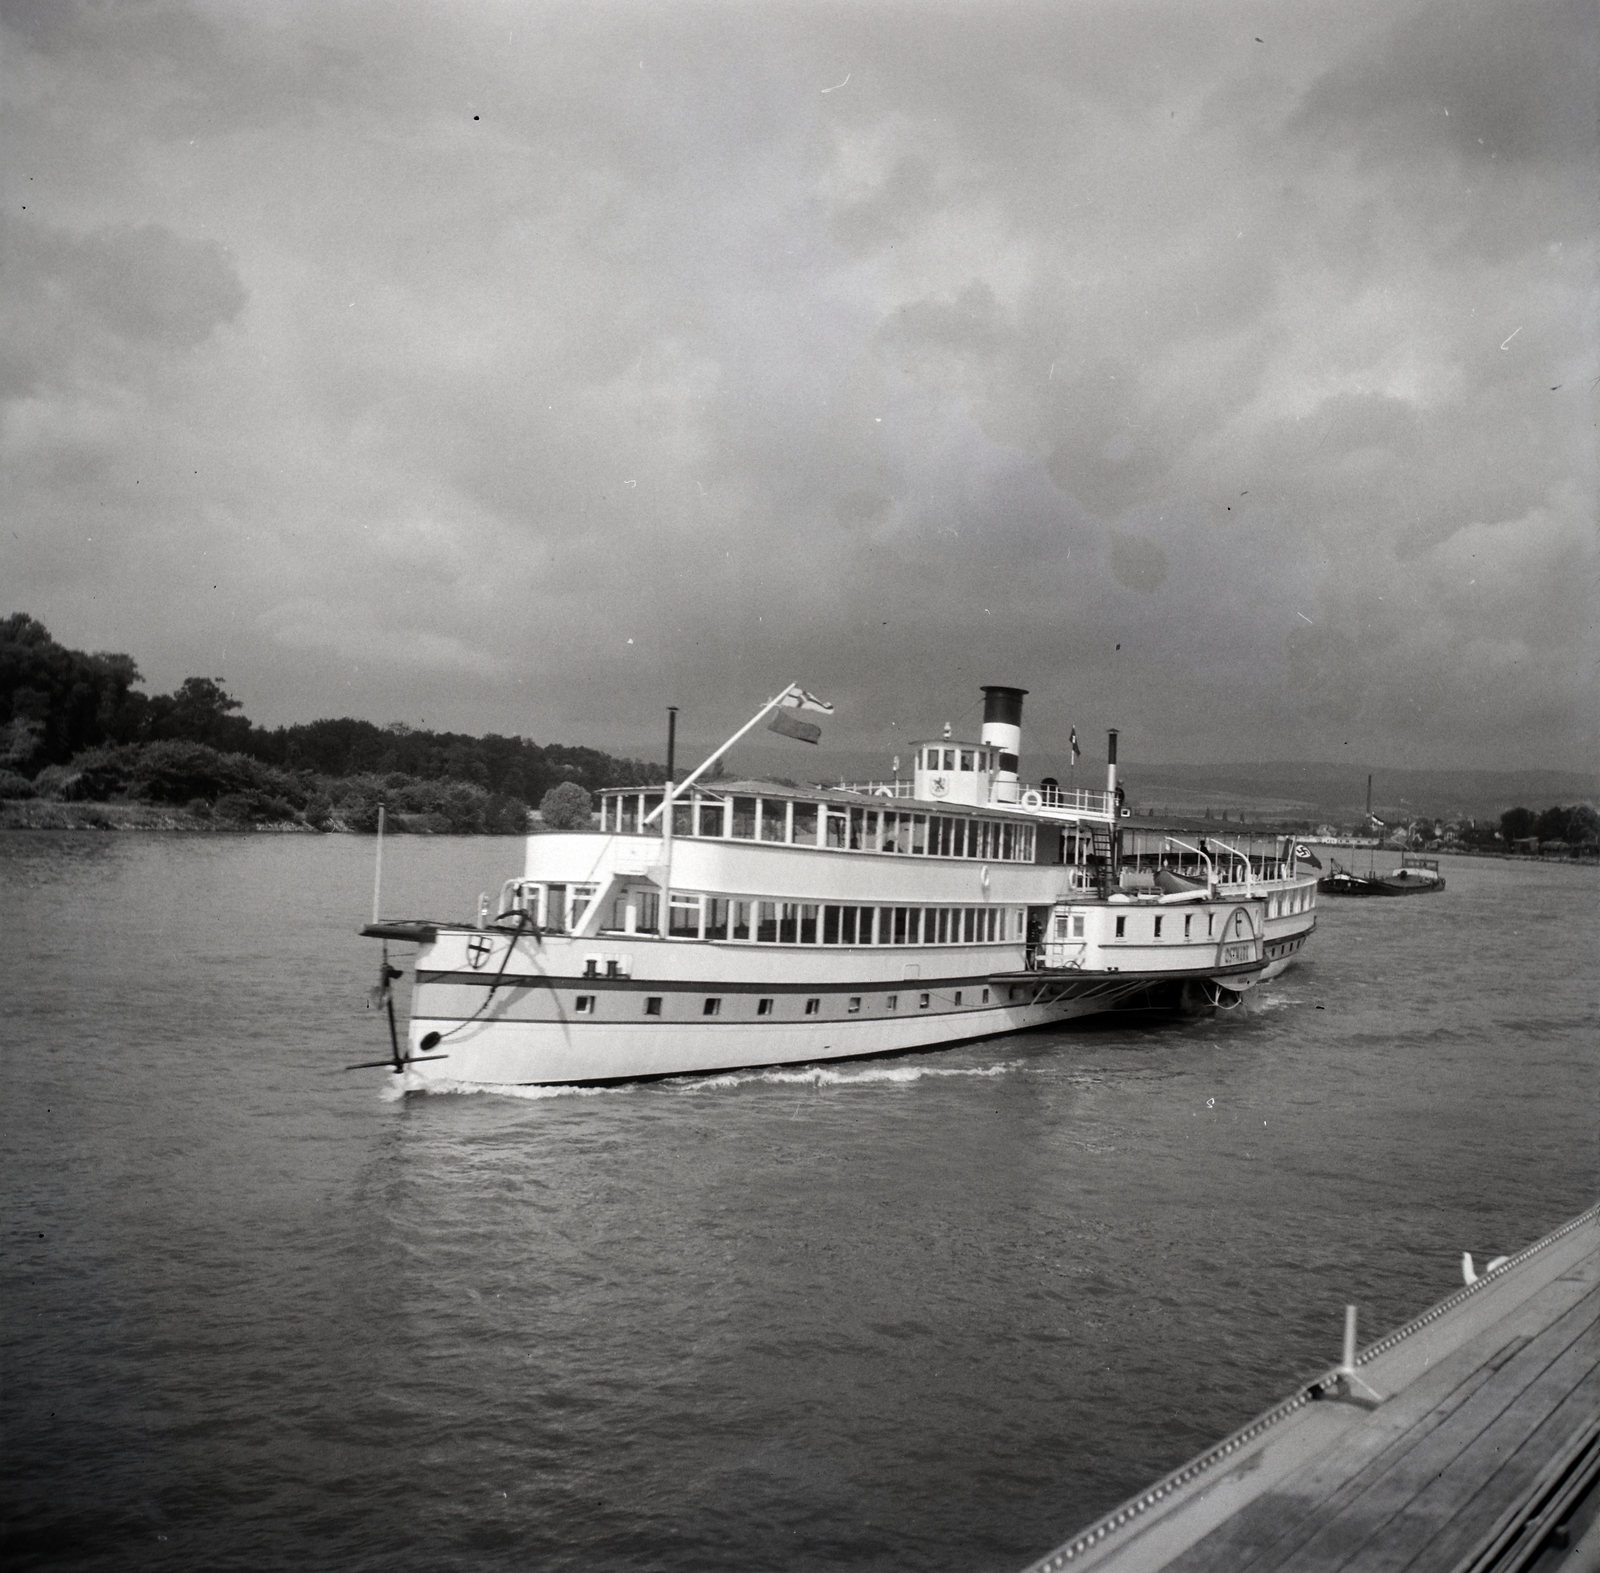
[1002,727]
[1111,762]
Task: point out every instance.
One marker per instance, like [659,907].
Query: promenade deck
[1467,1441]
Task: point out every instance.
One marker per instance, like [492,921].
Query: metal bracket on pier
[1346,1386]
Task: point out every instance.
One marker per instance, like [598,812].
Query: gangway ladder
[1101,861]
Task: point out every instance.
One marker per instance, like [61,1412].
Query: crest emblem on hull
[479,950]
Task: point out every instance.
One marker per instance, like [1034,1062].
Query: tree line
[76,726]
[1577,826]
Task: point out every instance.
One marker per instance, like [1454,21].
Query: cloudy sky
[1224,372]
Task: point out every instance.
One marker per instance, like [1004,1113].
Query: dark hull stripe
[1117,992]
[604,984]
[1065,985]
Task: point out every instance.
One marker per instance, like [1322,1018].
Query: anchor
[382,993]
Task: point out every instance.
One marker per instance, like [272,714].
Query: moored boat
[1414,877]
[709,925]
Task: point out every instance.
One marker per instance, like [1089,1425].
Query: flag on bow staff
[801,700]
[1302,854]
[786,725]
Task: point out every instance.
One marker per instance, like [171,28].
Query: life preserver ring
[1031,799]
[938,787]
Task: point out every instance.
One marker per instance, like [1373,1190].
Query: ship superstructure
[717,924]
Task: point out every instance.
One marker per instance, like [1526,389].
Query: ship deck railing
[879,788]
[1003,794]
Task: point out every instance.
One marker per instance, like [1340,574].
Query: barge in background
[1414,877]
[712,925]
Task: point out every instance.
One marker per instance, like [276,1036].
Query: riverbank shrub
[566,806]
[175,772]
[253,808]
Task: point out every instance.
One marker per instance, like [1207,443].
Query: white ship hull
[614,1008]
[771,924]
[533,1054]
[1291,919]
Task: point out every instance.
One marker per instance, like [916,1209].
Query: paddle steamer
[709,924]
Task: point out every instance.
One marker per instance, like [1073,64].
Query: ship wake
[776,1076]
[833,1076]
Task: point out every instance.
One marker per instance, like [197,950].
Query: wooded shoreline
[44,815]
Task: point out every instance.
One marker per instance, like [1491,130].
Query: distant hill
[1337,794]
[1275,790]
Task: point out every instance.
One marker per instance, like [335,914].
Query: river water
[929,1313]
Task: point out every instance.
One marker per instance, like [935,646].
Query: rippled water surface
[927,1313]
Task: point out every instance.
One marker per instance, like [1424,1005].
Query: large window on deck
[833,826]
[694,915]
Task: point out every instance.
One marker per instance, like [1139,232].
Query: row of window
[787,822]
[1076,921]
[559,908]
[711,1004]
[1290,901]
[691,915]
[941,758]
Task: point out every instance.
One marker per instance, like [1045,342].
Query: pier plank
[1452,1515]
[1468,1465]
[1390,1528]
[1333,1506]
[1269,1528]
[1486,1393]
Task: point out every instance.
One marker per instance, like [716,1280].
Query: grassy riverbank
[102,816]
[39,815]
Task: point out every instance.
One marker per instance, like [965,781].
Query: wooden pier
[1468,1441]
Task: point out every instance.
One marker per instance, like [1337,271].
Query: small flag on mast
[786,725]
[1075,749]
[801,700]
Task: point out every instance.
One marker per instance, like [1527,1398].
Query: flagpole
[664,918]
[670,794]
[673,792]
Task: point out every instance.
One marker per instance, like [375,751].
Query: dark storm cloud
[142,284]
[528,366]
[1486,83]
